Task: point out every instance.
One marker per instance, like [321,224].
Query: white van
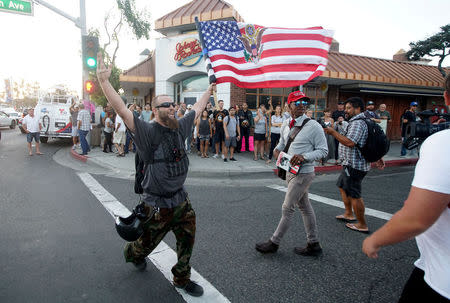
[54,114]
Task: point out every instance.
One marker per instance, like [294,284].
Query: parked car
[6,120]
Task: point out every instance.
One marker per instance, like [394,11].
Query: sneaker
[311,249]
[216,156]
[233,159]
[73,147]
[266,247]
[225,160]
[223,157]
[191,288]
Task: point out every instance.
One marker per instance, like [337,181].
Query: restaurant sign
[188,52]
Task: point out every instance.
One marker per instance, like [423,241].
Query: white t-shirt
[433,173]
[32,123]
[122,125]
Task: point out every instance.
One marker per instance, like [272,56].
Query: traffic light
[89,86]
[90,48]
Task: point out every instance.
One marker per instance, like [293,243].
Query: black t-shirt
[219,115]
[411,117]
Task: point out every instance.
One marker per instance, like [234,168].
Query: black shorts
[350,181]
[259,137]
[219,136]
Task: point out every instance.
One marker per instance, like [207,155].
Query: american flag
[253,56]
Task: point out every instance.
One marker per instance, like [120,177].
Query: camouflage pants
[180,220]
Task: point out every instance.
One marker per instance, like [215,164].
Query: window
[255,97]
[195,84]
[318,101]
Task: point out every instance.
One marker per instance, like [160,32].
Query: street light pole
[80,23]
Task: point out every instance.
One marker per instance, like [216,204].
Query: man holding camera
[355,167]
[308,146]
[161,145]
[426,216]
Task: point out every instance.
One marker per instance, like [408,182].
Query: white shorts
[119,137]
[74,131]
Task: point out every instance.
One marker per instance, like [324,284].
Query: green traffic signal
[90,48]
[91,62]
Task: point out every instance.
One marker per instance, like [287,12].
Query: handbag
[281,172]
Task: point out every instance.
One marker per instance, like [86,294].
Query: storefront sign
[188,52]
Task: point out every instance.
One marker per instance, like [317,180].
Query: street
[58,242]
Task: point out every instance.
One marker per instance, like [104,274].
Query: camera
[417,132]
[322,123]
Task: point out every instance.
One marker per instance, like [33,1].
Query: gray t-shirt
[164,179]
[261,125]
[74,116]
[231,126]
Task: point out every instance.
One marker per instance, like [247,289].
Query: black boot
[191,288]
[311,249]
[266,247]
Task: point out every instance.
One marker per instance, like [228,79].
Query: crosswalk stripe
[337,203]
[163,257]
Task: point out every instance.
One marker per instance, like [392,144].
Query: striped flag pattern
[253,56]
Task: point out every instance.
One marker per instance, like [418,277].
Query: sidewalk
[210,167]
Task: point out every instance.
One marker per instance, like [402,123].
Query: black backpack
[377,144]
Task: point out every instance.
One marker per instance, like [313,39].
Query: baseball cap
[414,103]
[297,95]
[341,102]
[370,103]
[189,106]
[76,106]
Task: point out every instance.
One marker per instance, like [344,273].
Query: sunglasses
[166,105]
[300,102]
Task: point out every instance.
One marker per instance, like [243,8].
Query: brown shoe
[266,247]
[311,249]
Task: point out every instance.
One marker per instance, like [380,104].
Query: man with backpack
[161,146]
[353,152]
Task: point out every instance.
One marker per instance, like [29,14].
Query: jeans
[83,141]
[127,143]
[297,195]
[274,138]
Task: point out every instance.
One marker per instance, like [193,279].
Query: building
[176,68]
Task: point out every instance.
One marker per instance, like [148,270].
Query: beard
[171,123]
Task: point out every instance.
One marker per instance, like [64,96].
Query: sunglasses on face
[166,105]
[300,102]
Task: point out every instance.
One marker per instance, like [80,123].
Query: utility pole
[80,22]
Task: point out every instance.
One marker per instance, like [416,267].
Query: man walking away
[160,145]
[119,136]
[355,167]
[308,146]
[32,128]
[84,126]
[408,116]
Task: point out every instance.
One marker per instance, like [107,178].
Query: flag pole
[209,69]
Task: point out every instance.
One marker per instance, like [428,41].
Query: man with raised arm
[160,144]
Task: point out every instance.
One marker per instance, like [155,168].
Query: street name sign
[17,7]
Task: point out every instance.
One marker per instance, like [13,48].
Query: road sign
[17,7]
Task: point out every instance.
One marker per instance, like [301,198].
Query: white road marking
[337,203]
[163,257]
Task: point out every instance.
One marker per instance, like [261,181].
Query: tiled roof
[204,9]
[142,72]
[353,67]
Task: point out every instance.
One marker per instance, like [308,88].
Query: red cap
[294,96]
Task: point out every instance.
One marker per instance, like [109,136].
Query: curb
[77,156]
[389,163]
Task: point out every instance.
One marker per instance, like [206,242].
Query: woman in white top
[275,129]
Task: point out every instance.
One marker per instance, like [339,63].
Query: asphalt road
[58,243]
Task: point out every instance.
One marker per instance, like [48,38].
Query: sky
[47,47]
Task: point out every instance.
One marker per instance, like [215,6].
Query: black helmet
[131,227]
